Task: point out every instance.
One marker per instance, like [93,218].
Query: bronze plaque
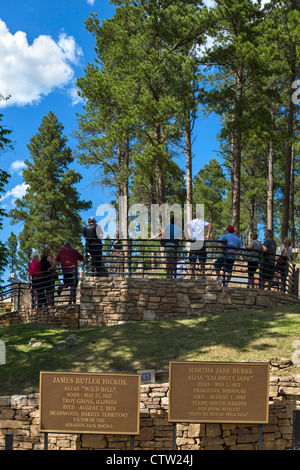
[219,392]
[90,403]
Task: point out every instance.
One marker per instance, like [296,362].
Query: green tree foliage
[141,90]
[12,252]
[236,65]
[211,188]
[51,205]
[151,76]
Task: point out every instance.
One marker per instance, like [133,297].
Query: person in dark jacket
[47,280]
[93,238]
[268,260]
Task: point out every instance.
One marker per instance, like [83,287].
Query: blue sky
[44,48]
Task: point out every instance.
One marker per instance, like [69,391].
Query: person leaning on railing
[169,236]
[35,280]
[195,232]
[282,264]
[268,259]
[253,256]
[68,258]
[46,263]
[226,261]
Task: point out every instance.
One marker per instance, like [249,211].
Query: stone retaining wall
[20,416]
[13,318]
[106,301]
[111,300]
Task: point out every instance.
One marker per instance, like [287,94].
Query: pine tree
[12,252]
[238,70]
[142,92]
[210,188]
[50,208]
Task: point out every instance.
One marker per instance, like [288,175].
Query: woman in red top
[34,278]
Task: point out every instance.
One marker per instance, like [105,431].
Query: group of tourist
[42,274]
[257,254]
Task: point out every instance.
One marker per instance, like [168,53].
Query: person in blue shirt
[231,244]
[169,236]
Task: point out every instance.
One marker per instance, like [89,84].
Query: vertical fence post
[129,255]
[8,441]
[19,295]
[295,286]
[296,429]
[174,436]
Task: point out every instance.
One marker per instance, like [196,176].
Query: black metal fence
[245,268]
[144,258]
[15,294]
[54,287]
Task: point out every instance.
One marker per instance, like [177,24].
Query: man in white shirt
[195,231]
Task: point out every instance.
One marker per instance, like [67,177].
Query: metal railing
[144,258]
[50,288]
[15,294]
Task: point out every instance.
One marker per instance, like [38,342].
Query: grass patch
[247,335]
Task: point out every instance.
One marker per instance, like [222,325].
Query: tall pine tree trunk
[287,176]
[189,176]
[287,209]
[236,180]
[270,186]
[122,189]
[236,154]
[160,196]
[292,217]
[125,186]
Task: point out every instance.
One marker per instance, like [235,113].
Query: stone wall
[61,316]
[20,416]
[111,300]
[13,318]
[106,301]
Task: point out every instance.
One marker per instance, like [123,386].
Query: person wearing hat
[231,244]
[93,239]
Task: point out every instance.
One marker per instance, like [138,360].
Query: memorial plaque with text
[90,403]
[211,392]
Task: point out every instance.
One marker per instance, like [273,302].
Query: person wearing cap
[232,244]
[93,238]
[68,258]
[35,280]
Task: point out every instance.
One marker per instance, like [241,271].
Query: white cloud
[17,166]
[17,192]
[209,3]
[73,92]
[90,2]
[212,3]
[30,71]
